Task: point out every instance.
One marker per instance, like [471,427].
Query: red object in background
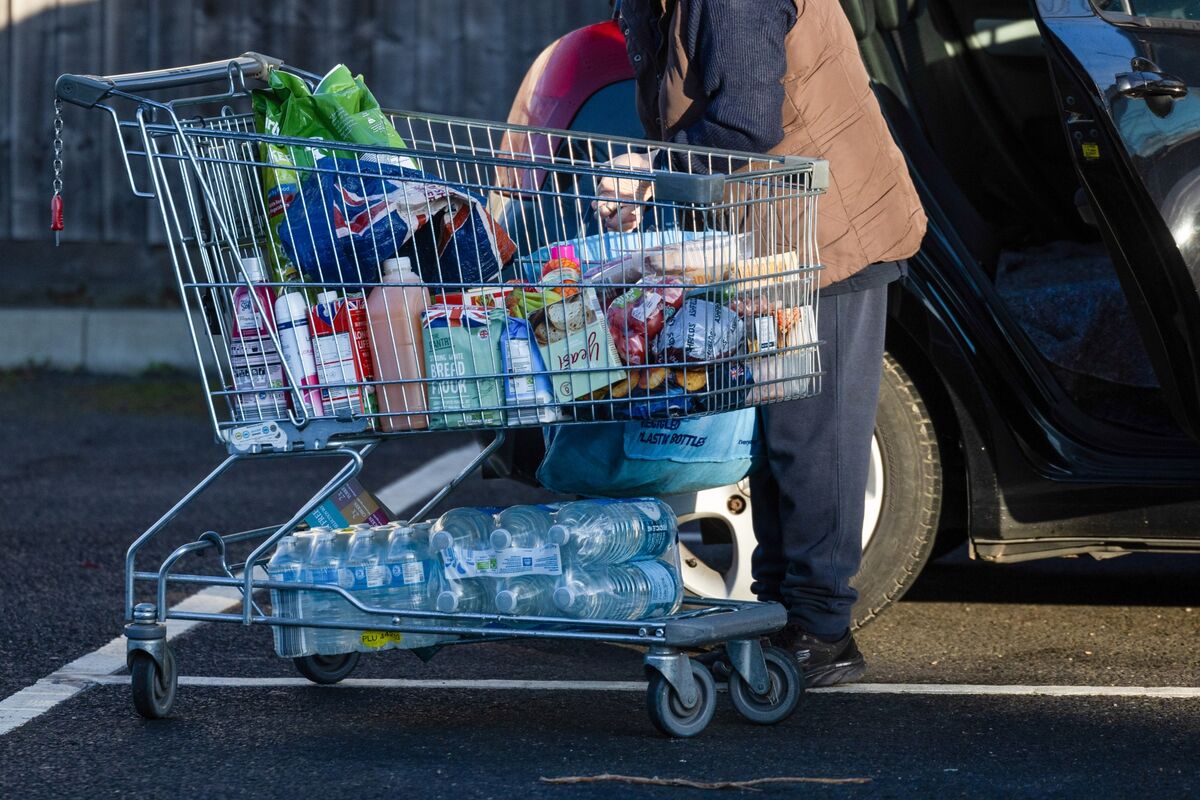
[56,213]
[560,81]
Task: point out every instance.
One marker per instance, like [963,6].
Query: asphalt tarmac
[79,485]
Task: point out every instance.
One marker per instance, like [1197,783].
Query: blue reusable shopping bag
[651,457]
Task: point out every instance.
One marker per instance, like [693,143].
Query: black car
[1041,392]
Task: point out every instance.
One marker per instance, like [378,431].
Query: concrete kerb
[111,341]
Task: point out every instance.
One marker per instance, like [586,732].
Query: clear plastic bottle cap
[441,540]
[402,532]
[254,269]
[564,597]
[506,601]
[558,534]
[328,297]
[397,266]
[501,539]
[447,603]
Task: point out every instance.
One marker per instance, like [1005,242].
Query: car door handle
[1150,84]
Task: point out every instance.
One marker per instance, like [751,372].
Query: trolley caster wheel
[667,710]
[153,686]
[326,670]
[787,687]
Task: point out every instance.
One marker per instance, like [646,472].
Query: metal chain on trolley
[56,202]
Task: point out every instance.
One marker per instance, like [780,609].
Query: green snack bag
[348,108]
[285,109]
[341,109]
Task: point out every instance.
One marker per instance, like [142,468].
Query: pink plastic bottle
[394,319]
[254,361]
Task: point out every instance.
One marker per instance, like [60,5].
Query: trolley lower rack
[765,683]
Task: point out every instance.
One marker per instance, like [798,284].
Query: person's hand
[615,214]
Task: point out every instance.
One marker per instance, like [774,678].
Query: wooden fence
[463,57]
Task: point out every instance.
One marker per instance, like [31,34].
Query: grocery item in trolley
[592,558]
[462,343]
[350,504]
[528,393]
[342,349]
[296,347]
[353,214]
[340,108]
[256,366]
[576,346]
[394,319]
[637,316]
[700,331]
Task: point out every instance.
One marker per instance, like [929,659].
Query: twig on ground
[751,785]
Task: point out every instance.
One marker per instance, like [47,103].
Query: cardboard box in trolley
[349,505]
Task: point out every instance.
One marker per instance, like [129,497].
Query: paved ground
[77,488]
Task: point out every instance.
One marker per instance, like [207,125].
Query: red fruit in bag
[639,314]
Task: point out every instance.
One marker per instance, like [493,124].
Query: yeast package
[351,215]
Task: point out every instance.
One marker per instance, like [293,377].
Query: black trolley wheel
[153,686]
[667,711]
[326,670]
[781,700]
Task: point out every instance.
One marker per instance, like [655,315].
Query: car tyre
[911,496]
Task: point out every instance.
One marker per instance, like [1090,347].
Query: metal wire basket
[708,305]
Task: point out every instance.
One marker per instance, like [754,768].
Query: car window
[1167,9]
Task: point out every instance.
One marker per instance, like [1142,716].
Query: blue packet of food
[667,400]
[528,383]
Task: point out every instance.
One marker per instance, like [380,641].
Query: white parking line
[940,689]
[419,484]
[99,665]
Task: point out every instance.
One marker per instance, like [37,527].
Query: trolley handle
[88,90]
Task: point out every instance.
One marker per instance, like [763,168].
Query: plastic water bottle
[470,595]
[523,526]
[463,529]
[412,581]
[325,565]
[527,596]
[637,590]
[370,582]
[287,566]
[614,531]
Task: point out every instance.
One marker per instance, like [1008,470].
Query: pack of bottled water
[589,559]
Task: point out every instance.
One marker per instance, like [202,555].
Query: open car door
[1127,77]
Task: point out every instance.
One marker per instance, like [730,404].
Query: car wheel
[903,500]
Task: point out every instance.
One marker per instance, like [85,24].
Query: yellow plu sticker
[1091,150]
[378,639]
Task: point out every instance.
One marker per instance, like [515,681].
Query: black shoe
[823,663]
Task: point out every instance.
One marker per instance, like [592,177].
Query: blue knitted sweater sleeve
[738,48]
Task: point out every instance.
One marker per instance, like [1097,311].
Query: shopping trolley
[715,310]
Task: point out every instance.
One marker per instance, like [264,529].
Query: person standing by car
[784,77]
